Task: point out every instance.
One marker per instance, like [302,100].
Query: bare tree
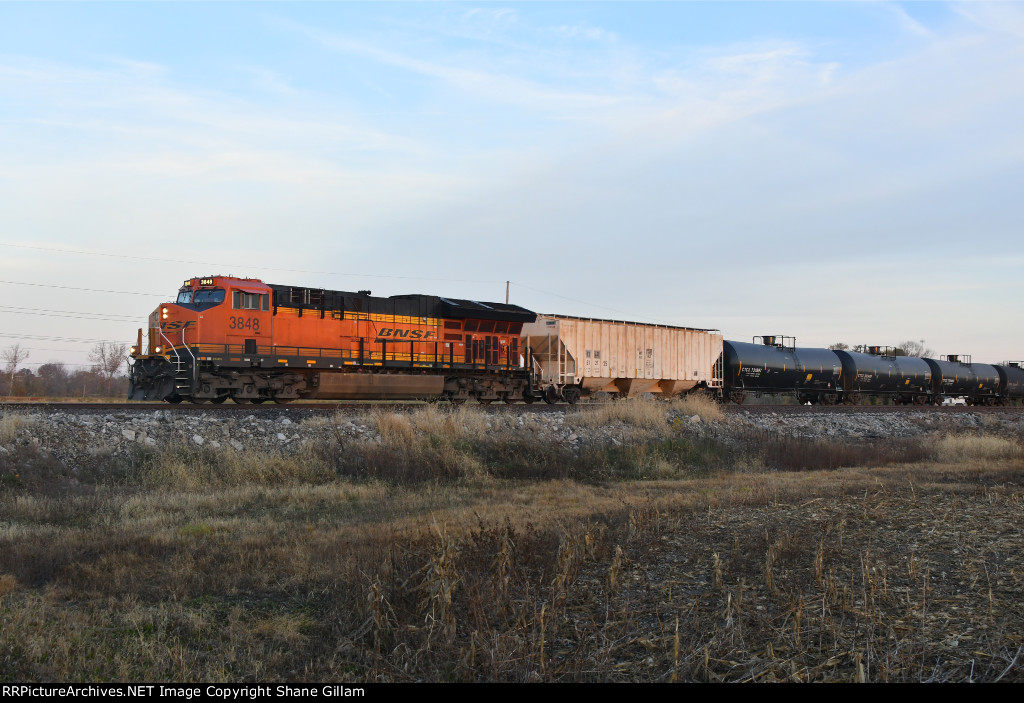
[107,360]
[54,378]
[12,356]
[912,348]
[839,346]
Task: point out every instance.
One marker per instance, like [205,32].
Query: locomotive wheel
[219,399]
[174,399]
[242,401]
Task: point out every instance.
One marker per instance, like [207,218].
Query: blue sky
[832,171]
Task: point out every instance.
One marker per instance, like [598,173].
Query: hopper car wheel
[485,401]
[551,395]
[572,396]
[458,401]
[505,398]
[529,399]
[283,401]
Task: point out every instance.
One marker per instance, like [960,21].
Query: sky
[832,171]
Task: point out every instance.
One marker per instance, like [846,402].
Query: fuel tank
[1011,381]
[951,377]
[769,368]
[902,377]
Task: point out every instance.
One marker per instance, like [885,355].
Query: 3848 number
[244,323]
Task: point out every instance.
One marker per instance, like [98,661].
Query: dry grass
[345,561]
[639,413]
[963,448]
[699,404]
[10,424]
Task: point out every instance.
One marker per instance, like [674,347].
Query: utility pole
[506,292]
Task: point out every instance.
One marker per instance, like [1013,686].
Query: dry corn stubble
[213,565]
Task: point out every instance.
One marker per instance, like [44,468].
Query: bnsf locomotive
[240,338]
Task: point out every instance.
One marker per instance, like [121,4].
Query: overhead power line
[90,290]
[91,316]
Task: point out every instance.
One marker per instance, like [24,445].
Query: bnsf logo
[408,334]
[177,325]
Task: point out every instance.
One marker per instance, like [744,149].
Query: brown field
[450,551]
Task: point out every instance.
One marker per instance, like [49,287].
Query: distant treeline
[55,380]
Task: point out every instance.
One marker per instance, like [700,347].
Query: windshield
[208,296]
[201,298]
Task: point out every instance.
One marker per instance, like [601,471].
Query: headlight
[164,311]
[158,350]
[132,351]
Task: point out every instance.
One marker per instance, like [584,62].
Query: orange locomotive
[240,338]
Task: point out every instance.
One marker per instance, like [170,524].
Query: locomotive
[240,338]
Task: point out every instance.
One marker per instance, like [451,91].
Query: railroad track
[328,407]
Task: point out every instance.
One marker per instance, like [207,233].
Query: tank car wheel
[174,399]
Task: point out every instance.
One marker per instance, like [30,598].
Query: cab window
[208,297]
[240,300]
[200,299]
